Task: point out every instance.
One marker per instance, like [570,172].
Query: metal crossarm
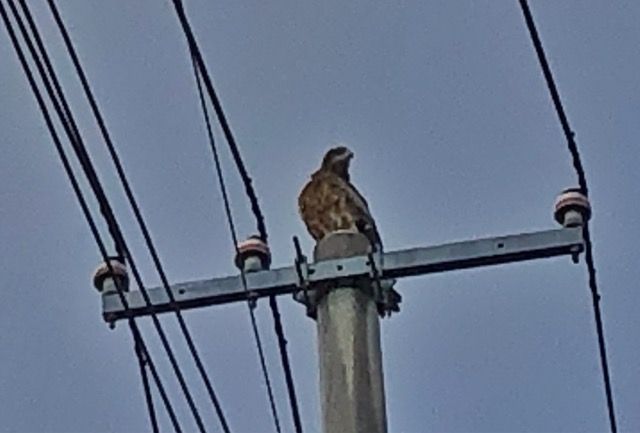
[396,264]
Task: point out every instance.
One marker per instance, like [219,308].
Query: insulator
[253,255]
[572,208]
[105,281]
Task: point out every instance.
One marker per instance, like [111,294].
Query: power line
[142,363]
[139,341]
[138,215]
[99,192]
[217,106]
[284,358]
[200,66]
[66,118]
[152,368]
[234,239]
[202,74]
[582,181]
[135,331]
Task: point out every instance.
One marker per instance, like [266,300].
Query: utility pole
[345,289]
[351,381]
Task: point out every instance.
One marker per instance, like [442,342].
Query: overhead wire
[138,215]
[135,331]
[582,182]
[226,129]
[137,336]
[202,75]
[284,359]
[234,239]
[199,61]
[65,115]
[148,395]
[103,210]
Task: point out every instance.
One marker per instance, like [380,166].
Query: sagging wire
[141,223]
[234,239]
[582,182]
[137,336]
[217,106]
[65,115]
[202,77]
[142,364]
[200,67]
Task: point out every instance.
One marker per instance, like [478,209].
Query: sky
[455,137]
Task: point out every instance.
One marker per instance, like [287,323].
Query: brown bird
[329,202]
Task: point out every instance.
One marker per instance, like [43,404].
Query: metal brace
[386,298]
[305,296]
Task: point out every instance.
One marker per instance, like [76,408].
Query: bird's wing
[364,220]
[314,203]
[328,203]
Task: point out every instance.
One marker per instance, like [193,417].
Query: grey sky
[455,137]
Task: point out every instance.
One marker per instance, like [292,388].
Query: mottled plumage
[329,202]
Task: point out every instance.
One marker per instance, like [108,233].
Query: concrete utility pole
[345,289]
[351,380]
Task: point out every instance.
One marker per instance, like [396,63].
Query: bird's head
[337,161]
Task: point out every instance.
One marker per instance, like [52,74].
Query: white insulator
[107,281]
[572,208]
[253,255]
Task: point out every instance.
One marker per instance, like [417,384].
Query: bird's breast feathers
[328,203]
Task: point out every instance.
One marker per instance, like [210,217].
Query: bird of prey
[329,202]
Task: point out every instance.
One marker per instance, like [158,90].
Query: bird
[329,202]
